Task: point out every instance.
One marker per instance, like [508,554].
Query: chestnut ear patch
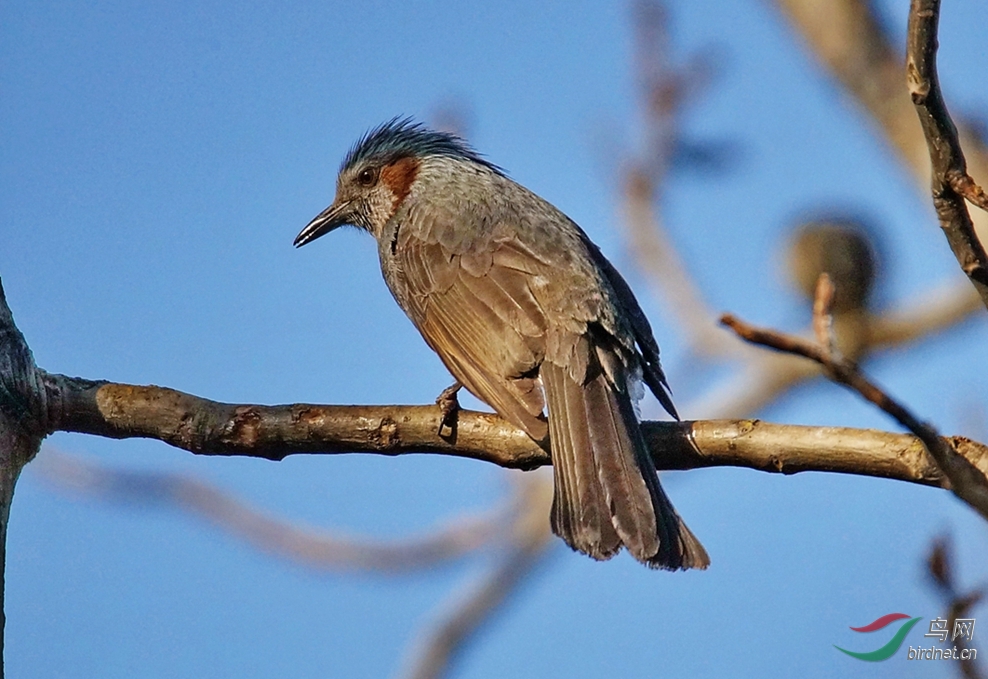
[398,176]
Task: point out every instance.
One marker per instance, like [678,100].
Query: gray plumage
[526,313]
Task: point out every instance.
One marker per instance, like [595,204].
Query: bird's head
[379,172]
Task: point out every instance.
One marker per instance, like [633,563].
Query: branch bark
[848,38]
[968,481]
[950,181]
[22,426]
[207,427]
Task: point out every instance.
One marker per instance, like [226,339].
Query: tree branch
[958,603]
[22,426]
[207,427]
[765,376]
[951,182]
[968,481]
[848,37]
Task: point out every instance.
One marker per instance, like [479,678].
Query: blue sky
[156,161]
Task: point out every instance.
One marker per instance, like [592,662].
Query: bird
[527,314]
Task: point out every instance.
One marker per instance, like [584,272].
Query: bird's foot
[449,406]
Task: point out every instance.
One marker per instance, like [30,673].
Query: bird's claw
[449,406]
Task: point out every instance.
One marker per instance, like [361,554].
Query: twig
[967,481]
[949,165]
[941,570]
[766,376]
[823,322]
[973,193]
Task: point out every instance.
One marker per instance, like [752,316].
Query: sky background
[156,161]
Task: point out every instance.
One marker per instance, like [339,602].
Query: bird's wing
[475,307]
[642,330]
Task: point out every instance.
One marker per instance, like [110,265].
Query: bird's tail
[607,492]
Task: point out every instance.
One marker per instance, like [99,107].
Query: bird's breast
[391,267]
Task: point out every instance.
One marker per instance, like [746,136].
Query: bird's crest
[403,137]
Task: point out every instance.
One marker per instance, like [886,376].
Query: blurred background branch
[466,613]
[849,39]
[309,546]
[959,602]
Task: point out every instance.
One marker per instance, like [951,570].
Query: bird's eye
[367,176]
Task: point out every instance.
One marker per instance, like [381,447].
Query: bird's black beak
[334,216]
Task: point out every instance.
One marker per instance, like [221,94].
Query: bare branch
[940,567]
[274,432]
[766,376]
[22,425]
[466,612]
[968,482]
[315,548]
[949,165]
[847,37]
[207,427]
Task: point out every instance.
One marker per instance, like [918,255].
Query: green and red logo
[893,645]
